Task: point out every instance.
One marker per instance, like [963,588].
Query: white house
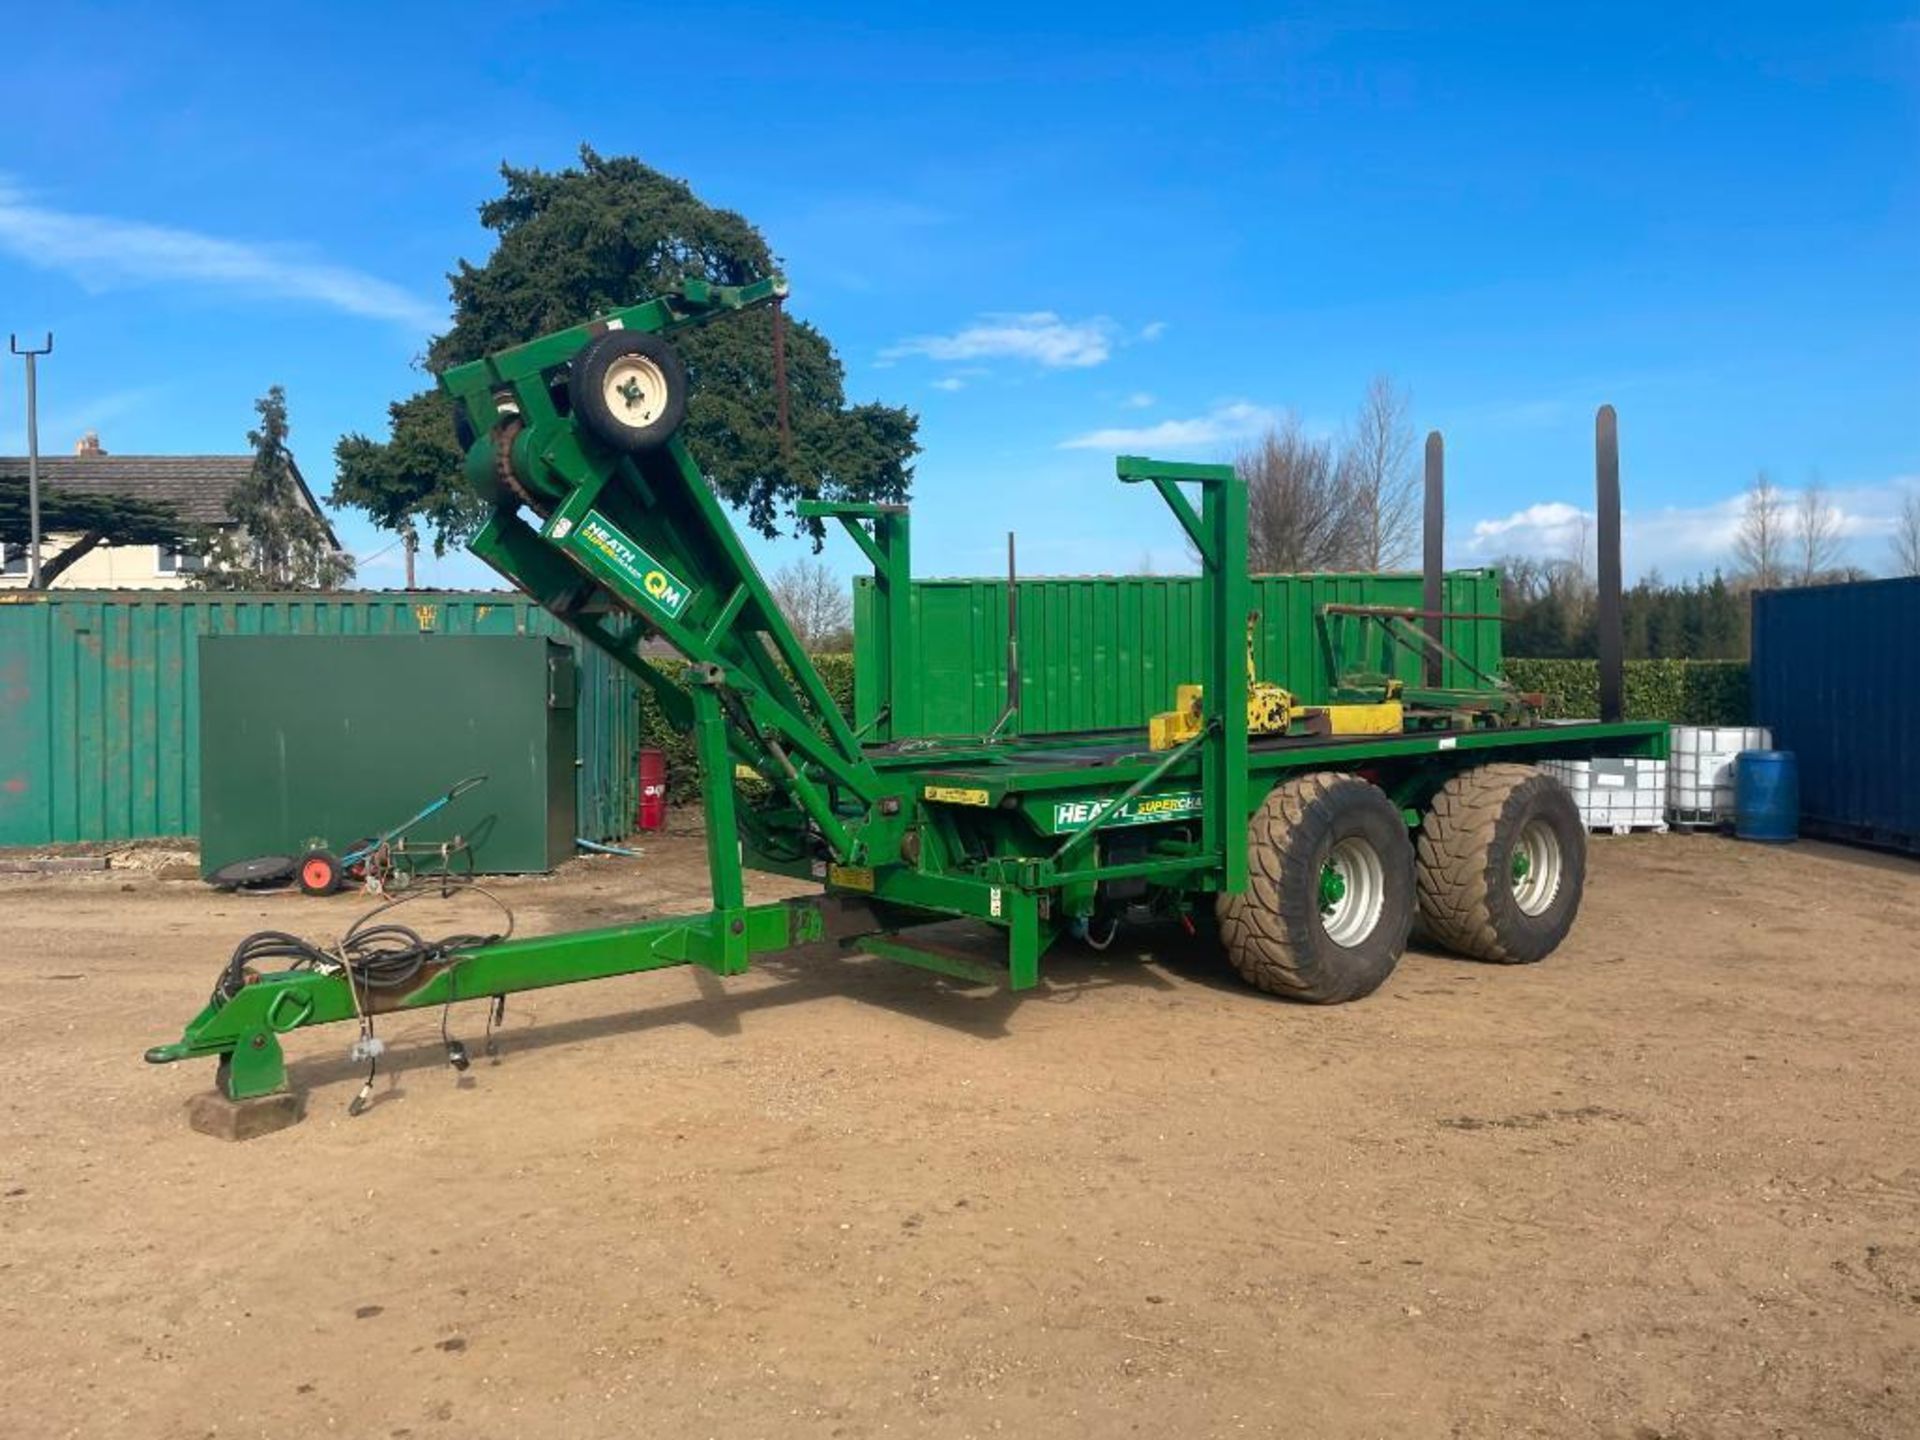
[196,486]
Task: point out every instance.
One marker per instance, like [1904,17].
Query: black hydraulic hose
[382,956]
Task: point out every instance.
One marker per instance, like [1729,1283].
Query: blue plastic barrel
[1766,796]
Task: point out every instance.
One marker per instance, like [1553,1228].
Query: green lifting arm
[602,515]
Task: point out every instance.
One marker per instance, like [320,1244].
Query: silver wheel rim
[1349,916]
[635,389]
[1537,865]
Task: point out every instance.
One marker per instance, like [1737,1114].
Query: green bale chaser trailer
[1312,834]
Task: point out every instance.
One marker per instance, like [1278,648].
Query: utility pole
[410,542]
[33,454]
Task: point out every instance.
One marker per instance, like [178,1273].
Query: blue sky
[1056,232]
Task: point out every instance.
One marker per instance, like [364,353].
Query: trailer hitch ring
[299,1001]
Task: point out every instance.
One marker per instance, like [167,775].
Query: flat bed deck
[1052,762]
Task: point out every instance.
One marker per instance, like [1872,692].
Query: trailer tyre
[1502,864]
[1330,893]
[629,390]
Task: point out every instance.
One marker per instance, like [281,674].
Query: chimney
[89,444]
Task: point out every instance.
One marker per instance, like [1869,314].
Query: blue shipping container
[1836,677]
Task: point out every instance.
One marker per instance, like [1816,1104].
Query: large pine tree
[612,231]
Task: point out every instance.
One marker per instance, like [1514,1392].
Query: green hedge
[683,773]
[1685,692]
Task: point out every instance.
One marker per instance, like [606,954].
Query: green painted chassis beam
[248,1026]
[904,952]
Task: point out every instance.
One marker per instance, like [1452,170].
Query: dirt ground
[1665,1184]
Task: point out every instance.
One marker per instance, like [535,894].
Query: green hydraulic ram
[600,513]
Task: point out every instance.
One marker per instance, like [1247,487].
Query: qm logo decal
[668,592]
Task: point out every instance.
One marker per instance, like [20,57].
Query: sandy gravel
[1665,1184]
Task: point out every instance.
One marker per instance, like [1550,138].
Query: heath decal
[659,584]
[1141,810]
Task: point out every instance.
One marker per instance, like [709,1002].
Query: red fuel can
[653,790]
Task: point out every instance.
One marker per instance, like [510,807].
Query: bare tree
[1580,571]
[1906,535]
[1376,466]
[1548,603]
[1299,512]
[1523,578]
[1760,546]
[817,605]
[1816,534]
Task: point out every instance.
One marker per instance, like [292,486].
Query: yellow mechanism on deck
[1272,710]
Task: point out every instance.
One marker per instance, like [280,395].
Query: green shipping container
[1107,651]
[329,739]
[100,701]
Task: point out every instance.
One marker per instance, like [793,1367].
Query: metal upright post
[1433,572]
[32,355]
[1219,534]
[1612,645]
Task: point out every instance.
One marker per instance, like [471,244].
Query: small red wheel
[319,872]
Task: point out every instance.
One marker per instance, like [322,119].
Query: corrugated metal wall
[1836,677]
[99,701]
[1107,651]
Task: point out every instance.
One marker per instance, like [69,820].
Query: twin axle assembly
[1311,834]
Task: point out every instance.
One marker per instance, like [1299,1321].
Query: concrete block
[214,1114]
[52,864]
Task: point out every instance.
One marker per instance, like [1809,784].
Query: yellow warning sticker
[851,877]
[949,795]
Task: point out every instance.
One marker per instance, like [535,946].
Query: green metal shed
[327,739]
[100,700]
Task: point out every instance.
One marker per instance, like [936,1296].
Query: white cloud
[1138,400]
[1038,336]
[1153,330]
[950,383]
[1226,423]
[104,253]
[1681,541]
[1546,526]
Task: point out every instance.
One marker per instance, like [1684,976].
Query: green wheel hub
[1537,866]
[1353,891]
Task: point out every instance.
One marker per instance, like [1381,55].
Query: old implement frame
[622,537]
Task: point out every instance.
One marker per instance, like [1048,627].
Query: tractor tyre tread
[1457,868]
[1271,933]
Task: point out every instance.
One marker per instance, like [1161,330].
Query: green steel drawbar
[1308,824]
